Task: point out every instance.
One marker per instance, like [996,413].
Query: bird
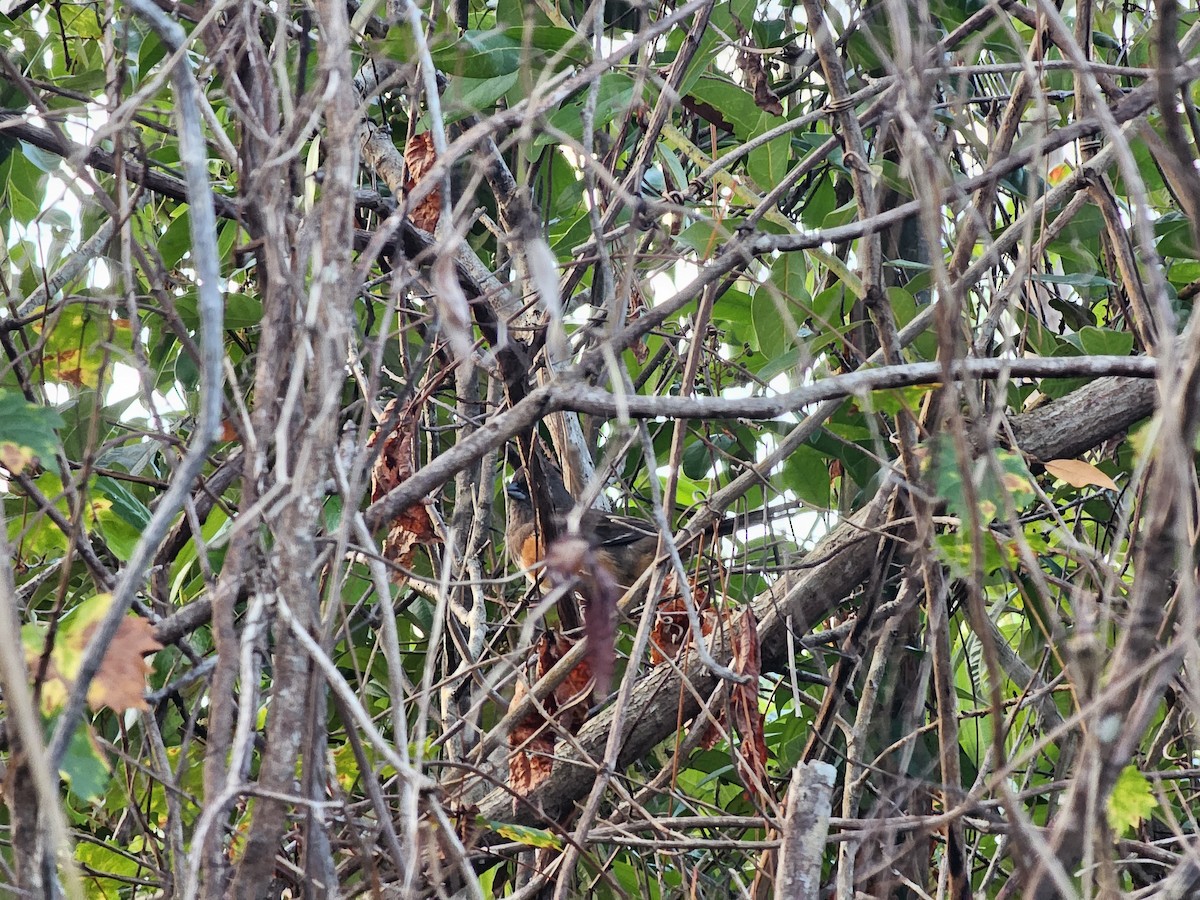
[625,546]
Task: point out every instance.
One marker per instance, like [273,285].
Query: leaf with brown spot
[120,682]
[419,157]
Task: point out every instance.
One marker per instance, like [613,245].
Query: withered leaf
[573,697]
[397,453]
[419,157]
[531,743]
[706,111]
[121,682]
[750,755]
[1078,473]
[533,739]
[672,631]
[395,463]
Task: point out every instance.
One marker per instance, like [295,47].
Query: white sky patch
[56,393]
[124,384]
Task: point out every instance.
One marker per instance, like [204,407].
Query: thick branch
[843,561]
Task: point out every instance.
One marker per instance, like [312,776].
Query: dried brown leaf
[532,740]
[1078,473]
[397,452]
[121,681]
[670,631]
[759,81]
[750,754]
[395,463]
[419,157]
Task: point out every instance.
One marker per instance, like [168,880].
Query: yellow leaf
[14,457]
[530,837]
[1059,174]
[1078,473]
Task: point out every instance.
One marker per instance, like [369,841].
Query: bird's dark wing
[613,531]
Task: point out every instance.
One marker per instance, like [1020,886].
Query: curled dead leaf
[750,754]
[395,463]
[531,745]
[532,740]
[672,630]
[419,157]
[759,82]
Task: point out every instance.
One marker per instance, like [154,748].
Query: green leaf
[768,164]
[400,46]
[789,273]
[530,837]
[997,482]
[770,334]
[481,54]
[806,473]
[470,96]
[26,178]
[733,310]
[843,215]
[45,160]
[515,13]
[785,362]
[1104,341]
[1131,801]
[553,40]
[696,460]
[84,766]
[24,208]
[704,236]
[128,507]
[743,11]
[175,241]
[27,431]
[614,98]
[1175,237]
[241,310]
[1074,279]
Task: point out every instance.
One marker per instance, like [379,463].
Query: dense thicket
[879,315]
